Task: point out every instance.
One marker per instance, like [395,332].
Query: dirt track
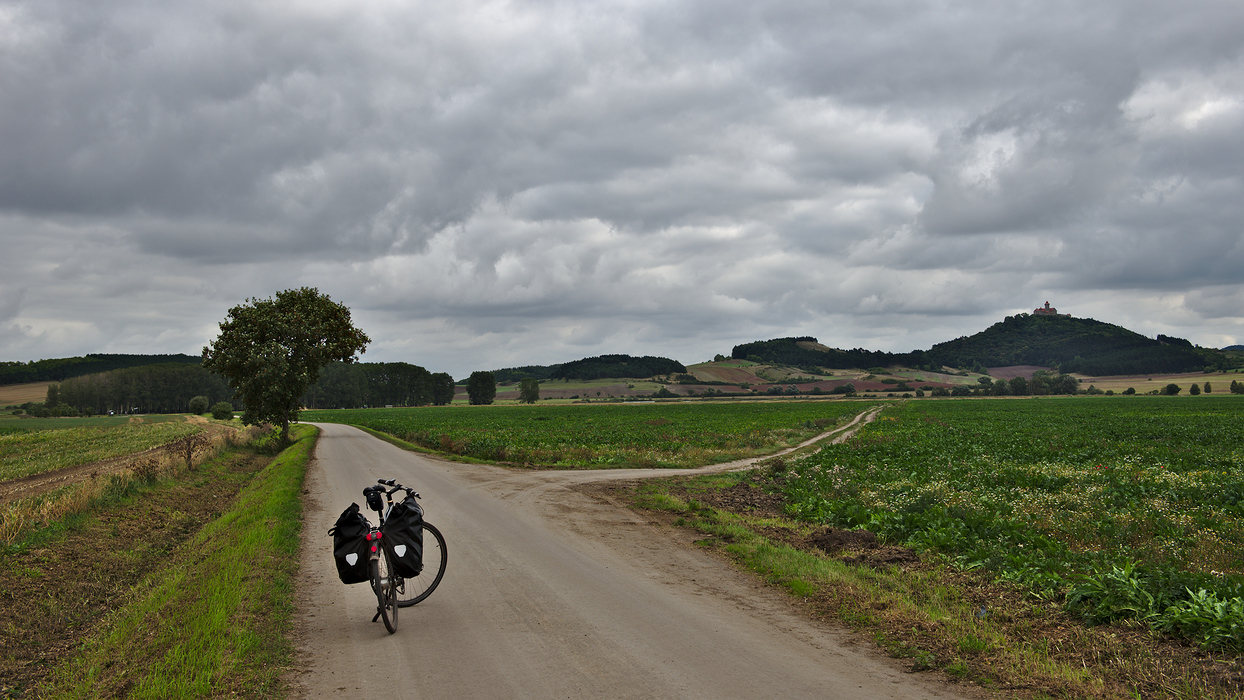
[550,593]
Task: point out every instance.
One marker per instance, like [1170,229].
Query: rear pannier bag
[350,546]
[403,538]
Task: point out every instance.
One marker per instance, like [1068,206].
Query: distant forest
[787,351]
[159,388]
[617,367]
[359,384]
[1079,345]
[66,367]
[509,375]
[168,388]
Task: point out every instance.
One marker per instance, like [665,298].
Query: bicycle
[393,591]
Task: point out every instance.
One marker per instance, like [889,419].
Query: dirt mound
[863,546]
[832,541]
[883,556]
[742,498]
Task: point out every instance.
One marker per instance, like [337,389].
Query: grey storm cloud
[498,183]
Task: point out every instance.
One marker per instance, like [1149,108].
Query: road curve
[549,593]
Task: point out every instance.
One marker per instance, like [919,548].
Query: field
[604,435]
[1131,508]
[169,582]
[34,446]
[17,394]
[1220,382]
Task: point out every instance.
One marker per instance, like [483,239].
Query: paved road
[552,594]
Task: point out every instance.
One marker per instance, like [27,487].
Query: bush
[222,411]
[1194,390]
[1171,389]
[198,405]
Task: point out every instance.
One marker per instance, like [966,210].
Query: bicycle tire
[385,587]
[417,588]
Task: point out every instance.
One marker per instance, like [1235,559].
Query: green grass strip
[214,622]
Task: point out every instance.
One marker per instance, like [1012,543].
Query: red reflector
[373,548]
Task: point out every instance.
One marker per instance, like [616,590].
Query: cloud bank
[489,184]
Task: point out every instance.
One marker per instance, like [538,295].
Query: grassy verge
[959,623]
[210,618]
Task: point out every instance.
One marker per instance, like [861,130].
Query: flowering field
[34,452]
[1128,507]
[605,435]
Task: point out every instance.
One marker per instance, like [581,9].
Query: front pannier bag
[403,538]
[350,546]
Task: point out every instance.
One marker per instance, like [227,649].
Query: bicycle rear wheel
[435,556]
[385,586]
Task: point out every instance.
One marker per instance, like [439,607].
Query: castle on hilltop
[1047,310]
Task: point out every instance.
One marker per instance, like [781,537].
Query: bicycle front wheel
[385,586]
[435,556]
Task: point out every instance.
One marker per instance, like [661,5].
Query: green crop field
[605,435]
[71,442]
[21,424]
[1131,508]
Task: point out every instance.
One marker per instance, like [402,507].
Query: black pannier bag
[403,538]
[350,546]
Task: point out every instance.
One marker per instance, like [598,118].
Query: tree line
[170,387]
[358,384]
[162,388]
[58,369]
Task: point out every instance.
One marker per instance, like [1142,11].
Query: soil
[56,588]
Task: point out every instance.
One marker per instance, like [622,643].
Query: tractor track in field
[46,482]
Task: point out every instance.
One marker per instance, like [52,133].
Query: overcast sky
[493,184]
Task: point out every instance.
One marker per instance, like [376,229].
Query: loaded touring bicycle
[403,558]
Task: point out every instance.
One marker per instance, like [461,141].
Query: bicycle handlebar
[394,487]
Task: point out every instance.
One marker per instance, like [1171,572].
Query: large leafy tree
[442,389]
[481,388]
[271,351]
[529,390]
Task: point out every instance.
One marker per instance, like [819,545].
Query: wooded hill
[62,368]
[602,367]
[617,367]
[1080,345]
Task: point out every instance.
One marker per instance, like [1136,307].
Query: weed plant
[1130,508]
